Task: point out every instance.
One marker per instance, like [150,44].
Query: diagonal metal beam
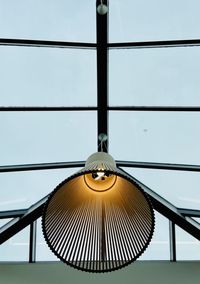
[170,211]
[45,43]
[18,224]
[102,74]
[155,44]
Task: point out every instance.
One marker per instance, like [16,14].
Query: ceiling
[68,74]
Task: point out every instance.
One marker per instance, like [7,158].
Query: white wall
[140,272]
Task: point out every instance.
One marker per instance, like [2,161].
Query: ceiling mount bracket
[103,137]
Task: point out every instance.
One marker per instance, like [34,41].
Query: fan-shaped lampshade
[98,219]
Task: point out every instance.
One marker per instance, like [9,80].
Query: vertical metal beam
[172,241]
[102,73]
[32,243]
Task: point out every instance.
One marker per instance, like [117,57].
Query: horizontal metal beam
[156,108]
[127,164]
[155,44]
[159,166]
[80,45]
[170,211]
[189,212]
[45,108]
[18,224]
[42,166]
[12,213]
[104,108]
[46,43]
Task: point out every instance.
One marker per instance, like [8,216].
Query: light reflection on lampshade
[99,219]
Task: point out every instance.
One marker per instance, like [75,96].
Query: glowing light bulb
[98,176]
[101,167]
[100,180]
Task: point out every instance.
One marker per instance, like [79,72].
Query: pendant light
[99,219]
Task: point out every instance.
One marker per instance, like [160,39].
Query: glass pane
[49,20]
[16,248]
[4,221]
[179,188]
[158,249]
[155,137]
[43,252]
[47,137]
[21,190]
[153,77]
[187,247]
[47,77]
[153,20]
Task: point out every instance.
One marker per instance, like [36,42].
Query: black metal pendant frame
[116,239]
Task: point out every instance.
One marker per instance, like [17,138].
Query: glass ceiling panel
[50,20]
[37,137]
[47,77]
[158,248]
[43,252]
[187,247]
[16,248]
[160,76]
[179,188]
[155,137]
[153,20]
[23,189]
[4,221]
